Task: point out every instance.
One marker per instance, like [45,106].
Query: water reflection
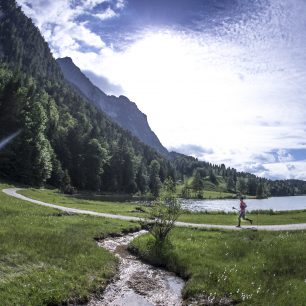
[276,204]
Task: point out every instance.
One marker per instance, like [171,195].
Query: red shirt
[242,205]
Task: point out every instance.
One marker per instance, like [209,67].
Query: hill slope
[64,140]
[119,109]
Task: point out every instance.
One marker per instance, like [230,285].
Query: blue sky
[222,80]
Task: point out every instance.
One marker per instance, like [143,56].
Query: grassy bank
[263,218]
[248,268]
[210,190]
[54,197]
[47,257]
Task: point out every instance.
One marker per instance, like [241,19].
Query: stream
[137,283]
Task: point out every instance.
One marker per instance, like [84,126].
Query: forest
[66,142]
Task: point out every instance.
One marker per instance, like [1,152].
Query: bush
[163,214]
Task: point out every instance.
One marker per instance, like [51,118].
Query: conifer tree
[155,182]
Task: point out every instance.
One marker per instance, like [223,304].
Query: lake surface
[276,204]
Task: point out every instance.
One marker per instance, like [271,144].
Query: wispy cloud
[231,79]
[107,14]
[192,149]
[284,156]
[64,24]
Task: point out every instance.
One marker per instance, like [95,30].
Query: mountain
[53,135]
[22,46]
[56,136]
[119,109]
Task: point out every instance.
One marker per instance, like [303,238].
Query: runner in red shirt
[242,212]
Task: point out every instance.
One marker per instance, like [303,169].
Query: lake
[276,204]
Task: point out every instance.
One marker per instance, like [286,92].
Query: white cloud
[240,94]
[58,22]
[192,149]
[288,170]
[107,14]
[90,4]
[284,156]
[120,4]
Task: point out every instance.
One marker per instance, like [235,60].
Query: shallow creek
[137,283]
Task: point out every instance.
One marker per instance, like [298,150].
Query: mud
[137,283]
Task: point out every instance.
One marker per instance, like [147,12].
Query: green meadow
[48,257]
[130,209]
[244,267]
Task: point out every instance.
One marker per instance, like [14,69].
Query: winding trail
[284,227]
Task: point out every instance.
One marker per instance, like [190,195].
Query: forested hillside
[69,143]
[64,141]
[228,179]
[119,109]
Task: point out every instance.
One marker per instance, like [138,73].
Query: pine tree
[95,158]
[35,152]
[155,182]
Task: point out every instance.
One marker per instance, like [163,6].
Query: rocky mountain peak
[120,109]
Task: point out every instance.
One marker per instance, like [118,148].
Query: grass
[262,218]
[48,257]
[245,267]
[212,195]
[54,197]
[128,209]
[211,190]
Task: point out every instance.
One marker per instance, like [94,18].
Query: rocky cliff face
[119,109]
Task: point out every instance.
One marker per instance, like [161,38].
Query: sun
[171,75]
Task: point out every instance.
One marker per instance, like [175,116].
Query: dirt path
[283,227]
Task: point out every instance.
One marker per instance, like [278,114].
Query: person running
[242,212]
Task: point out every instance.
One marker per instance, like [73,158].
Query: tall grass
[247,267]
[47,257]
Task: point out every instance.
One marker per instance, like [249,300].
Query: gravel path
[283,227]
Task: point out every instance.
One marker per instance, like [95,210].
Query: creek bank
[137,283]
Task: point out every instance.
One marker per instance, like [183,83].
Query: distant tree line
[235,181]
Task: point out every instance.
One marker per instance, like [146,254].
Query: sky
[221,80]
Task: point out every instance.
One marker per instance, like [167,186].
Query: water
[138,284]
[276,204]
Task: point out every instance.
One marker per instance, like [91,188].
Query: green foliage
[51,258]
[63,134]
[155,182]
[169,187]
[96,158]
[36,150]
[231,184]
[246,268]
[100,204]
[212,178]
[260,191]
[197,183]
[22,45]
[242,185]
[163,213]
[52,142]
[65,185]
[142,178]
